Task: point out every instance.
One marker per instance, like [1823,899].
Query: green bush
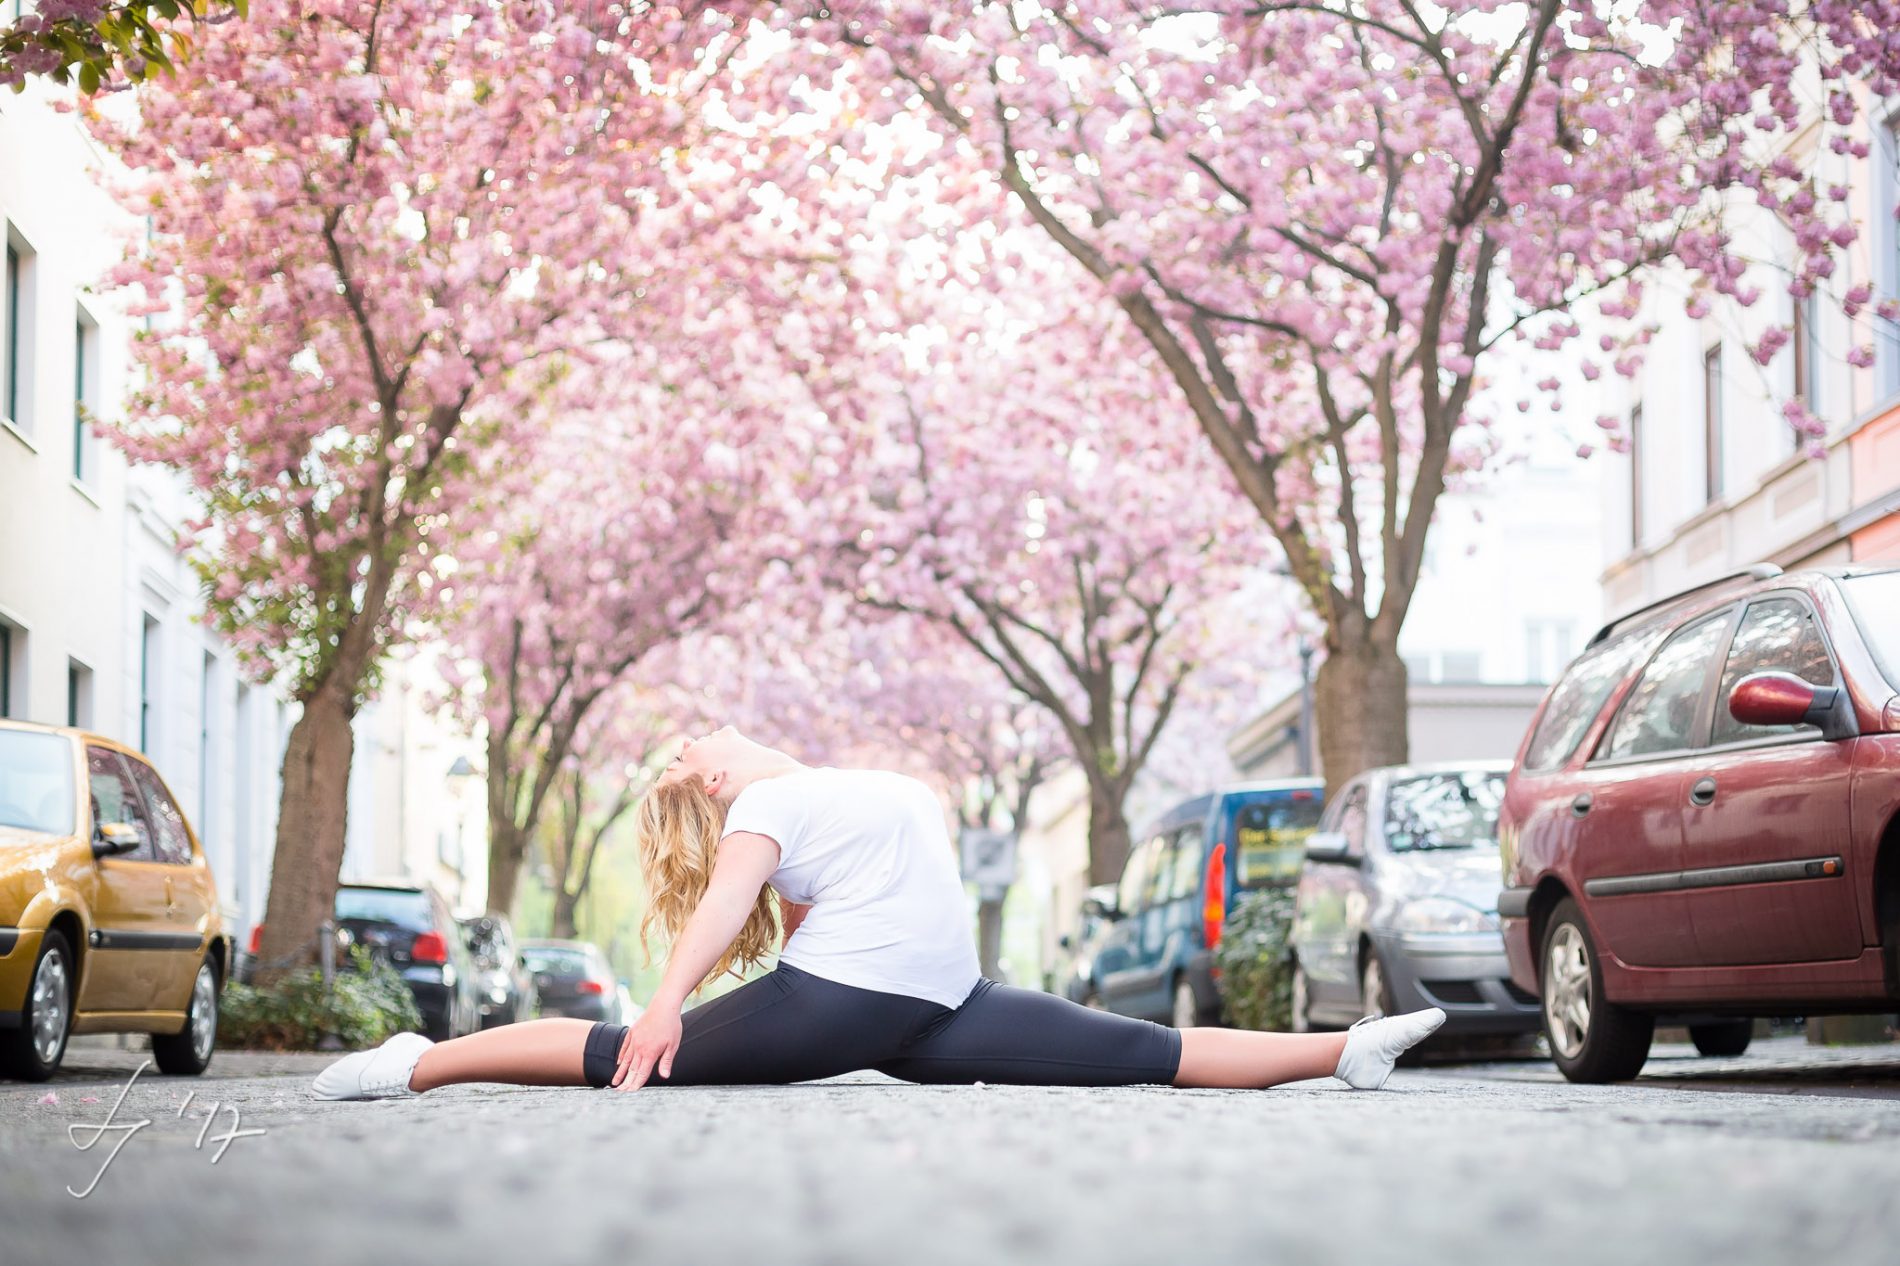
[367,1004]
[1255,957]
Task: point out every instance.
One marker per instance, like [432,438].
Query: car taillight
[1214,913]
[590,986]
[257,939]
[429,948]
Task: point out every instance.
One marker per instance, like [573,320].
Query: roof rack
[1760,571]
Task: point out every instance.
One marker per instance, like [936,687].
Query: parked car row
[109,922]
[1701,827]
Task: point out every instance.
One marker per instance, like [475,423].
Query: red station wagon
[1703,823]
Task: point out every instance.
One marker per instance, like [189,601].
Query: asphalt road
[1501,1162]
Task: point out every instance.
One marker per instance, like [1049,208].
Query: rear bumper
[590,1007]
[1468,976]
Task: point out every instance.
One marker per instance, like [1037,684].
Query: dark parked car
[1704,820]
[1075,977]
[1397,904]
[504,983]
[409,926]
[1156,961]
[574,979]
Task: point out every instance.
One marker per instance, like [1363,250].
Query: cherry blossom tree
[381,233]
[92,42]
[1324,218]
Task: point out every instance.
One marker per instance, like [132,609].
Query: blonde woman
[877,971]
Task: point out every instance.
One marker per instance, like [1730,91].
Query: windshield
[1269,835]
[36,782]
[1443,811]
[1876,602]
[406,909]
[555,960]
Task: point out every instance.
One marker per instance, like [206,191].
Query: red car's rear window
[1579,695]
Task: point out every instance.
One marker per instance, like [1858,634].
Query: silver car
[1397,905]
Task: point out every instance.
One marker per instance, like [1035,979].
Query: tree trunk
[1108,833]
[507,842]
[989,938]
[1360,698]
[564,904]
[311,822]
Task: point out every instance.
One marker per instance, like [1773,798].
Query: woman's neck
[773,765]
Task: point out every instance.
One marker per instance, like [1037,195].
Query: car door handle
[1703,792]
[1581,805]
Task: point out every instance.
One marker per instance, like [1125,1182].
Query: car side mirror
[1330,847]
[1776,698]
[115,838]
[1096,909]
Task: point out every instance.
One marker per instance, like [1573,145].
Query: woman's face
[710,756]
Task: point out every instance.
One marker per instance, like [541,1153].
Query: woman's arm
[740,868]
[790,915]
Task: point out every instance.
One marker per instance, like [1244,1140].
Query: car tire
[1722,1037]
[187,1052]
[32,1052]
[1375,997]
[1093,1001]
[1591,1040]
[1186,1012]
[1300,1007]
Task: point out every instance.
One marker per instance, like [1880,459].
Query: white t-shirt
[868,852]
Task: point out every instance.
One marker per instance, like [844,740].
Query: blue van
[1182,876]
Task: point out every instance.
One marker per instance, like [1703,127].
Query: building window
[18,394]
[1712,423]
[1548,646]
[6,670]
[1636,477]
[78,695]
[149,663]
[85,393]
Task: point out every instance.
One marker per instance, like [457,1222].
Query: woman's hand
[650,1043]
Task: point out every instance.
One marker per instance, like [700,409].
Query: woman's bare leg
[1236,1059]
[532,1053]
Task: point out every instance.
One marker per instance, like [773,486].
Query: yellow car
[108,914]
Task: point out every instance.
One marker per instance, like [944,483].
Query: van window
[1161,871]
[1189,859]
[1134,884]
[1268,838]
[1578,697]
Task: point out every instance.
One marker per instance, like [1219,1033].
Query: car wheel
[1591,1039]
[1187,1008]
[32,1052]
[1301,1020]
[187,1052]
[1722,1037]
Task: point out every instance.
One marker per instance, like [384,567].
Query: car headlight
[1444,917]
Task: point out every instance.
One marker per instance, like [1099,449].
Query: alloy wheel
[204,1012]
[1567,991]
[1187,1012]
[1372,987]
[49,1003]
[1300,1020]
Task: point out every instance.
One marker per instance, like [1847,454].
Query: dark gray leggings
[790,1025]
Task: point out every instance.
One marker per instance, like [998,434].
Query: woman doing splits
[878,969]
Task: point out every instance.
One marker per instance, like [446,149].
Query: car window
[1659,715]
[1775,635]
[404,907]
[557,960]
[36,781]
[1352,820]
[1876,603]
[1189,857]
[1579,695]
[171,842]
[1160,870]
[115,798]
[1270,839]
[1449,810]
[1134,880]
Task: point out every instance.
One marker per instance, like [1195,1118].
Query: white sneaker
[1375,1043]
[382,1073]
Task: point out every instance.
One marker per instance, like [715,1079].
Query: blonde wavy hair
[678,833]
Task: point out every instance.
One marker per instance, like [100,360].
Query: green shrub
[367,1004]
[1255,957]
